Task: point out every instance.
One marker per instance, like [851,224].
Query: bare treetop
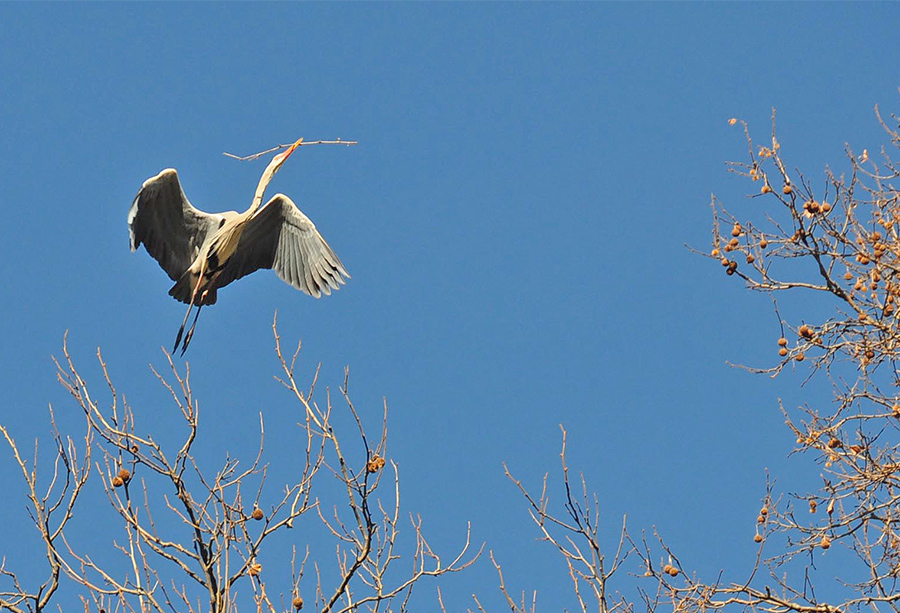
[233,515]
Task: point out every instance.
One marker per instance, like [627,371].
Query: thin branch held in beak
[277,147]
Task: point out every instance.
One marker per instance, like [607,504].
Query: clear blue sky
[514,219]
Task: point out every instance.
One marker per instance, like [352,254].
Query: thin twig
[278,147]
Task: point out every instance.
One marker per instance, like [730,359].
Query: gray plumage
[278,236]
[203,252]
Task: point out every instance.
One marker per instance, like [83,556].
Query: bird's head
[267,175]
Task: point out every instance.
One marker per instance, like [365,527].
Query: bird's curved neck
[264,180]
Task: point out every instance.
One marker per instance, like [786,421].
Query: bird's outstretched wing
[162,218]
[282,238]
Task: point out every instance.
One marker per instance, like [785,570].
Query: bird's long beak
[283,156]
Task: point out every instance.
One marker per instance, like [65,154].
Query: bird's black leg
[181,329]
[188,314]
[190,334]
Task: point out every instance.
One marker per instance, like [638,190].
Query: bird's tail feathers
[184,289]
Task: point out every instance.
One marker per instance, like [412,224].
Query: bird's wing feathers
[163,220]
[280,237]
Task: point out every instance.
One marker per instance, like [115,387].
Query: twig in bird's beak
[295,144]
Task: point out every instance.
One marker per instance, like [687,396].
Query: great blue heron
[203,252]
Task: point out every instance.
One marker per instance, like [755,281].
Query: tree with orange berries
[840,240]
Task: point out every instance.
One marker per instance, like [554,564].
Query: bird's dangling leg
[188,314]
[190,334]
[181,329]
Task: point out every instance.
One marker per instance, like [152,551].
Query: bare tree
[835,237]
[189,538]
[574,536]
[835,240]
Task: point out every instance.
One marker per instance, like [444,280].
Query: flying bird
[203,252]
